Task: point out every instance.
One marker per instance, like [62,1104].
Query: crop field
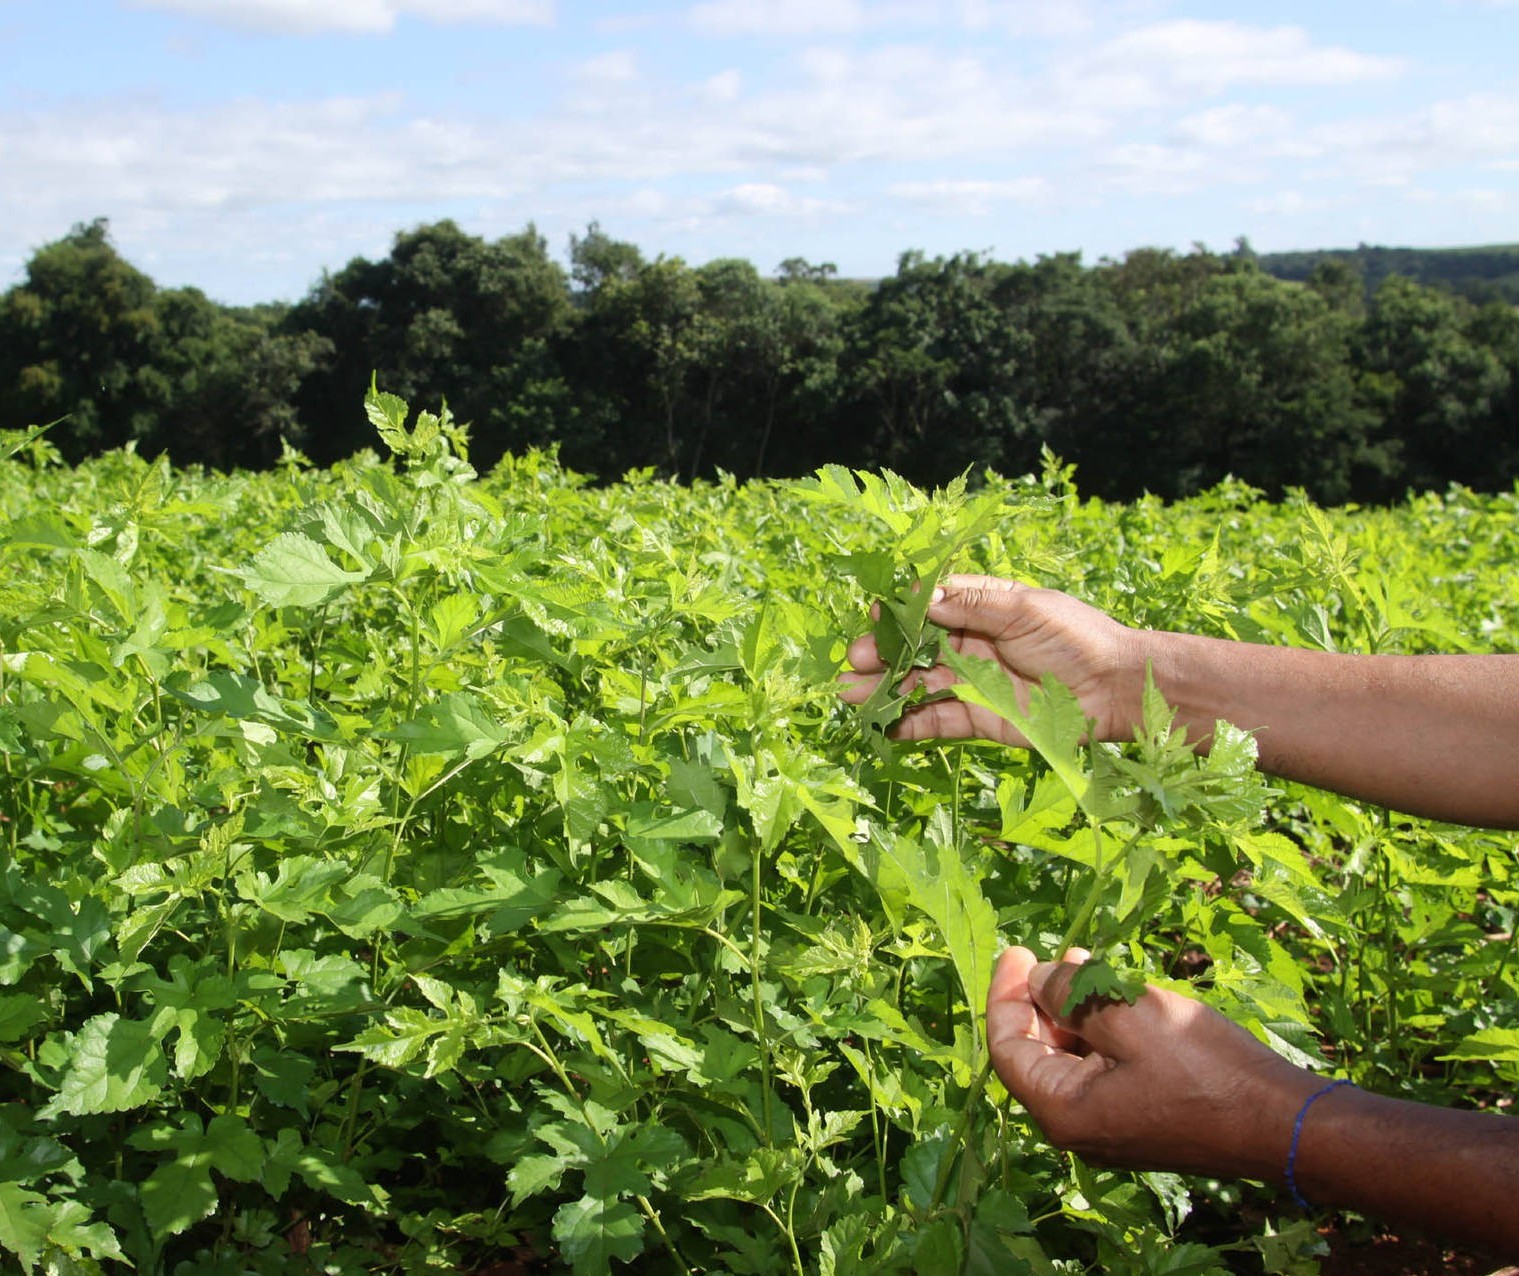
[409,871]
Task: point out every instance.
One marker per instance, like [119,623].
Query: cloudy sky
[244,146]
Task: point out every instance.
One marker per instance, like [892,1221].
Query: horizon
[1085,259]
[243,147]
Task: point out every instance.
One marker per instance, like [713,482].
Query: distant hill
[1484,274]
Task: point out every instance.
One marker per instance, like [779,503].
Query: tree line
[1162,372]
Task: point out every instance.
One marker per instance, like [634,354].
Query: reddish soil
[1403,1256]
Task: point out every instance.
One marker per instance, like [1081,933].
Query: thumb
[981,604]
[1106,1026]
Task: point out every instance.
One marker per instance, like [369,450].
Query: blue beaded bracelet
[1297,1132]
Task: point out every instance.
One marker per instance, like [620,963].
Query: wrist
[1270,1105]
[1140,651]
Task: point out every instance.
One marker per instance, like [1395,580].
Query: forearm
[1436,736]
[1448,1172]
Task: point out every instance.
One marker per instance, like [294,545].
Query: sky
[243,147]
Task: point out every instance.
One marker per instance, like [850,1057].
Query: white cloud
[1482,128]
[1237,124]
[1475,200]
[766,199]
[1291,203]
[972,197]
[722,88]
[355,17]
[1035,18]
[1177,61]
[619,67]
[1046,18]
[791,17]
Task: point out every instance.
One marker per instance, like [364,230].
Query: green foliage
[403,871]
[1159,373]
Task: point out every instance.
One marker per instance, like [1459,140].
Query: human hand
[1166,1083]
[1032,633]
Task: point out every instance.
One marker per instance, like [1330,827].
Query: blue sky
[244,146]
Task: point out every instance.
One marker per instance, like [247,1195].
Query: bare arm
[1169,1084]
[1431,735]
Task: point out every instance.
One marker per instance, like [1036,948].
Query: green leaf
[284,1078]
[24,1220]
[755,1179]
[1053,723]
[319,1168]
[116,1064]
[238,696]
[1493,1045]
[1100,980]
[19,1014]
[458,723]
[592,1232]
[178,1194]
[303,886]
[934,878]
[294,571]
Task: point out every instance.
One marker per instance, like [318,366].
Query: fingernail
[938,595]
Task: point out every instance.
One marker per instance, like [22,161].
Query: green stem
[761,1036]
[1078,925]
[878,1137]
[796,1254]
[650,1213]
[962,1133]
[351,1117]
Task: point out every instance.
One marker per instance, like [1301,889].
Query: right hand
[1032,633]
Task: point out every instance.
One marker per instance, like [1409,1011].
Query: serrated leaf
[592,1232]
[115,1065]
[458,723]
[1097,979]
[294,571]
[933,877]
[1494,1045]
[178,1194]
[24,1220]
[1053,722]
[302,886]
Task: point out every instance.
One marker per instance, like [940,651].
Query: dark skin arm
[1168,1083]
[1395,730]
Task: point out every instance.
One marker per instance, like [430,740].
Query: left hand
[1164,1084]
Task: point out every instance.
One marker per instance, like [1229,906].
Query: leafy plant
[403,870]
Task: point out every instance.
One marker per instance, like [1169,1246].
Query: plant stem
[761,1036]
[962,1132]
[1078,924]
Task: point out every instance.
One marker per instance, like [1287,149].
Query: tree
[447,316]
[931,365]
[78,339]
[1447,377]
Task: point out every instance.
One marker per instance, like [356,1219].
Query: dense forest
[1162,372]
[1489,273]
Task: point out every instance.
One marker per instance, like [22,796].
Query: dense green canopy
[1159,373]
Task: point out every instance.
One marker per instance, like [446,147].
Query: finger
[863,655]
[982,604]
[856,688]
[938,720]
[951,719]
[1022,1042]
[1110,1027]
[1013,968]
